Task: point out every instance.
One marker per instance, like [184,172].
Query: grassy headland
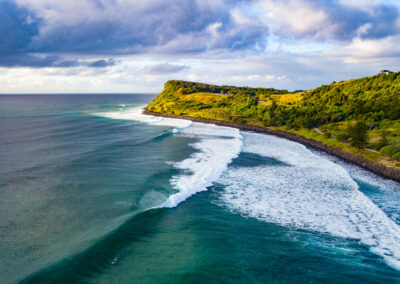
[360,116]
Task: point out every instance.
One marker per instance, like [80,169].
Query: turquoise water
[91,191]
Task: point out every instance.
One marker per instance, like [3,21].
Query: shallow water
[93,191]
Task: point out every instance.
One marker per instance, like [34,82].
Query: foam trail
[136,113]
[214,154]
[308,192]
[385,193]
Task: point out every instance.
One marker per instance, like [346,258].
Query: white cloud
[294,17]
[368,49]
[258,78]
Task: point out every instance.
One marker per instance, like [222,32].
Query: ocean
[93,191]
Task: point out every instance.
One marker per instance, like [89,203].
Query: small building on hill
[385,72]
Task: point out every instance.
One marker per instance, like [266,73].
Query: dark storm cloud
[90,27]
[102,63]
[41,61]
[139,26]
[17,27]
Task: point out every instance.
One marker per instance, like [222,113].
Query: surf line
[214,155]
[379,169]
[359,217]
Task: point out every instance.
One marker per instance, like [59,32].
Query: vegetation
[351,115]
[358,134]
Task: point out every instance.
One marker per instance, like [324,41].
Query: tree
[274,106]
[358,134]
[394,110]
[272,109]
[383,141]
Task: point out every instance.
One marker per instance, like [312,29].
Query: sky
[134,46]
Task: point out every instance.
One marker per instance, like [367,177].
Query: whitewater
[301,189]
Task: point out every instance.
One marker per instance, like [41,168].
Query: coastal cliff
[277,112]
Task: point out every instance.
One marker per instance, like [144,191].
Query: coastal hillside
[361,116]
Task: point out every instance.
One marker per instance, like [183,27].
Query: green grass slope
[369,107]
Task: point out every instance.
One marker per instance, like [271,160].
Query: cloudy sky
[125,46]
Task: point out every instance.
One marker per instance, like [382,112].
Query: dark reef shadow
[246,159]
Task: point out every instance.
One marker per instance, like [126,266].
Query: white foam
[217,147]
[310,193]
[363,175]
[385,193]
[206,165]
[136,113]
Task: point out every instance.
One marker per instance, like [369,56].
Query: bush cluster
[391,151]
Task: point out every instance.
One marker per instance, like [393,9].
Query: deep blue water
[93,192]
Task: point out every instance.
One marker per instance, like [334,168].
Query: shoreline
[379,169]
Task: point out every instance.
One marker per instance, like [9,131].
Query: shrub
[389,150]
[342,137]
[396,156]
[239,119]
[358,134]
[383,141]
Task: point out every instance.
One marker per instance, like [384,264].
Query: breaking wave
[306,191]
[136,114]
[309,192]
[216,148]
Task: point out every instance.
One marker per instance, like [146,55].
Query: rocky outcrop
[380,169]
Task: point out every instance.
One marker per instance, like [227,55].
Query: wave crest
[214,154]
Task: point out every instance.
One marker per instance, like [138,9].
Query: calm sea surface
[92,191]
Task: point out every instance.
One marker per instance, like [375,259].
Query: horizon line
[92,93]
